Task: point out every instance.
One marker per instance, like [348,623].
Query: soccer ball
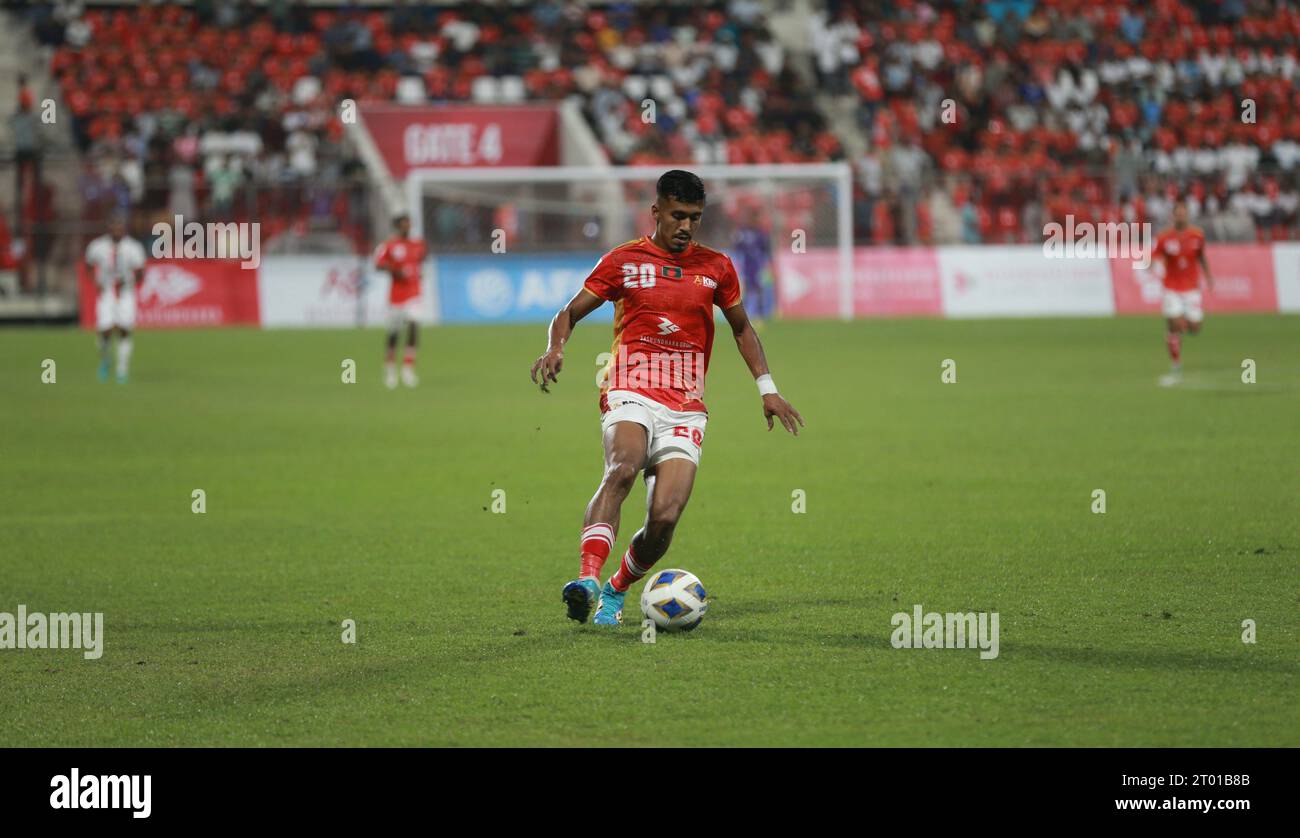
[674,599]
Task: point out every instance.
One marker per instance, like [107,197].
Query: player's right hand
[549,366]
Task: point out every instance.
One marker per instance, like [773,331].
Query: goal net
[589,210]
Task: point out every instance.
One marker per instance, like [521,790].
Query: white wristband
[766,387]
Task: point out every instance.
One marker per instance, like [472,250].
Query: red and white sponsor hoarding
[330,291]
[1020,281]
[1243,281]
[887,282]
[463,136]
[185,293]
[1286,274]
[980,281]
[987,281]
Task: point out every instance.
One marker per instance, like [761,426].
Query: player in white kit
[116,262]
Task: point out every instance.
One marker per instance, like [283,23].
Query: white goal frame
[839,174]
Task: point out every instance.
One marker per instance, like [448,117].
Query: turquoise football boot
[610,610]
[103,370]
[580,596]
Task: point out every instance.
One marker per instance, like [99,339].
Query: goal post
[596,208]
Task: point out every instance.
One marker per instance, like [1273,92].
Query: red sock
[629,572]
[597,541]
[409,359]
[1175,343]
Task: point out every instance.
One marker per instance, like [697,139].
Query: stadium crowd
[976,121]
[1024,112]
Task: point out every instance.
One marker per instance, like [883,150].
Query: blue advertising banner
[512,288]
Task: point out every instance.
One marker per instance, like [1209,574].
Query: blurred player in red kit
[1181,249]
[664,288]
[401,256]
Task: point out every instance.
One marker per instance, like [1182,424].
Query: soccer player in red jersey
[663,288]
[1181,249]
[402,256]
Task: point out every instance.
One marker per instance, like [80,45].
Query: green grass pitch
[329,501]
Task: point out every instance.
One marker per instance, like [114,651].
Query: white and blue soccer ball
[674,599]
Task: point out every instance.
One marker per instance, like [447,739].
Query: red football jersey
[663,318]
[1181,251]
[402,259]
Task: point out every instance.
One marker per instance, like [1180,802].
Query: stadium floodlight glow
[837,176]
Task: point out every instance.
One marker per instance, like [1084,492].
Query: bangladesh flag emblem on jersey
[670,271]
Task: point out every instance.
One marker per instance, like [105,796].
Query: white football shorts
[1183,304]
[115,309]
[672,434]
[399,314]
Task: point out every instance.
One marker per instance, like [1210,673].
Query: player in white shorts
[670,434]
[665,289]
[116,262]
[1185,305]
[1181,250]
[401,256]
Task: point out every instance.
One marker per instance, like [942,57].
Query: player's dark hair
[680,186]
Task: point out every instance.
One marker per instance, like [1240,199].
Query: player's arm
[133,262]
[1205,266]
[751,349]
[382,260]
[582,304]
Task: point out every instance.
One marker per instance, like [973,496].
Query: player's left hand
[549,366]
[774,405]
